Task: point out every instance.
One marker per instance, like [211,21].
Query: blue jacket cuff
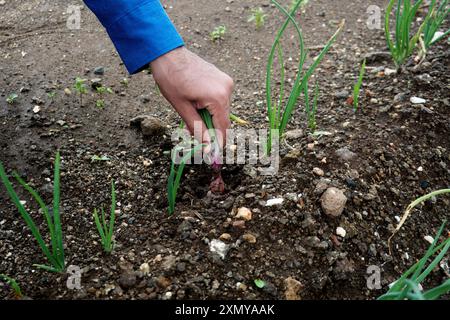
[140,30]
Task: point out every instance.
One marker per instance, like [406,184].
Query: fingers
[194,122]
[221,121]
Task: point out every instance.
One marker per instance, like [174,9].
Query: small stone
[417,100]
[420,169]
[429,239]
[96,83]
[389,72]
[293,288]
[241,286]
[152,127]
[310,146]
[274,202]
[61,123]
[163,282]
[36,109]
[344,154]
[218,247]
[248,237]
[99,71]
[169,263]
[333,202]
[127,280]
[145,268]
[244,213]
[321,186]
[293,134]
[341,232]
[343,94]
[318,172]
[67,92]
[225,237]
[239,224]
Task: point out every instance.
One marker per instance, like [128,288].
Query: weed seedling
[13,284]
[100,103]
[278,115]
[104,229]
[357,87]
[218,33]
[81,88]
[12,98]
[303,3]
[258,16]
[260,284]
[54,254]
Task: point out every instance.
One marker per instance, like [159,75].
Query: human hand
[190,83]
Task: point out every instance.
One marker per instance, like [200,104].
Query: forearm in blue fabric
[140,29]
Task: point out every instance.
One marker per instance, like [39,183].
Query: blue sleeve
[140,29]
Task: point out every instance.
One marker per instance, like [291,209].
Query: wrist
[169,57]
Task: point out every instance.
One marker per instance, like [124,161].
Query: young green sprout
[12,98]
[357,87]
[13,284]
[409,285]
[311,110]
[437,14]
[54,253]
[176,172]
[100,103]
[106,230]
[218,33]
[303,3]
[81,88]
[258,16]
[278,114]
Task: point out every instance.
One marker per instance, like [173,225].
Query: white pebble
[417,100]
[341,232]
[429,239]
[273,202]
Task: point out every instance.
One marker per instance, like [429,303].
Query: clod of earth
[333,202]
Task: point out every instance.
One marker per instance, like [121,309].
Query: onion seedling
[258,16]
[311,110]
[279,116]
[404,44]
[105,229]
[54,253]
[13,284]
[409,285]
[12,98]
[357,87]
[218,33]
[437,16]
[81,88]
[176,171]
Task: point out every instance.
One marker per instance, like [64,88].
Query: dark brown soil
[391,139]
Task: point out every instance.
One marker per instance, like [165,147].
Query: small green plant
[259,283]
[357,87]
[218,33]
[81,88]
[176,172]
[99,158]
[258,16]
[51,95]
[409,285]
[125,82]
[311,110]
[12,98]
[278,115]
[106,230]
[303,3]
[436,17]
[54,254]
[13,284]
[404,43]
[100,103]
